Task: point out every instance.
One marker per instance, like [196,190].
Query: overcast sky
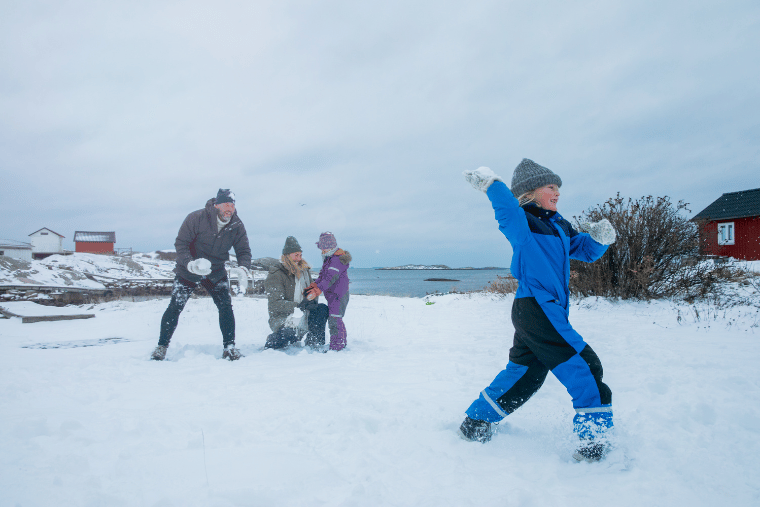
[359,117]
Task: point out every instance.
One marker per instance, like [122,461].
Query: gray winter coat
[199,237]
[280,288]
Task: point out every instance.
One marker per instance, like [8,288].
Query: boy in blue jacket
[543,243]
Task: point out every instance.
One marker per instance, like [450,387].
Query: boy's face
[547,197]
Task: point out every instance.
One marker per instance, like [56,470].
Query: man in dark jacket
[203,245]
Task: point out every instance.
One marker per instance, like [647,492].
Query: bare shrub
[502,285]
[655,243]
[165,255]
[727,286]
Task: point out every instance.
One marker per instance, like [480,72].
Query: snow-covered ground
[375,424]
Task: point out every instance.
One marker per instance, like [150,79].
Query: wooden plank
[46,318]
[7,314]
[49,288]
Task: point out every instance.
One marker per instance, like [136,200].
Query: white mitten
[481,178]
[602,231]
[248,277]
[241,274]
[200,267]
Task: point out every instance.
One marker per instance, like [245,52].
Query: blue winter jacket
[543,243]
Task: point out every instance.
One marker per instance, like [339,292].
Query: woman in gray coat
[284,288]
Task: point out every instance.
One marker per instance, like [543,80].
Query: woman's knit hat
[327,241]
[291,246]
[530,176]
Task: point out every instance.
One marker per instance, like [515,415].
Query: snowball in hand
[294,318]
[199,267]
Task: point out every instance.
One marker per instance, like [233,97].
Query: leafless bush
[727,287]
[167,255]
[655,246]
[502,285]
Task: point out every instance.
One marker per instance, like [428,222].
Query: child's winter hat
[224,195]
[327,241]
[530,176]
[291,246]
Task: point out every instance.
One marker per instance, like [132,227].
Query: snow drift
[97,423]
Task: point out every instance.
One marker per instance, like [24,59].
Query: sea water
[411,282]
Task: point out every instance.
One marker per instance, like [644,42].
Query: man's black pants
[183,289]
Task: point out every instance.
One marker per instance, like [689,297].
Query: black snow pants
[183,289]
[545,341]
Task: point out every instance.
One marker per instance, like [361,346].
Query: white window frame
[726,233]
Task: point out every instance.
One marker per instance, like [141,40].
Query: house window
[2,252]
[726,233]
[43,234]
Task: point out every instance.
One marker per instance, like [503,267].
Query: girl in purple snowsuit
[333,283]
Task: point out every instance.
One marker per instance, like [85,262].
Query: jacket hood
[344,256]
[279,267]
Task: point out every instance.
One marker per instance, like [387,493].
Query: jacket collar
[538,211]
[334,251]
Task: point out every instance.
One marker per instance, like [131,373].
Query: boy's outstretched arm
[593,240]
[511,218]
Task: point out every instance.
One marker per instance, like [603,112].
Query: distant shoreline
[435,268]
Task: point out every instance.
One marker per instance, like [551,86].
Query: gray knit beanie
[530,176]
[291,246]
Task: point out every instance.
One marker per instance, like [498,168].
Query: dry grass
[502,285]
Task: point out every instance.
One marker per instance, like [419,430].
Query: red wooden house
[730,226]
[94,242]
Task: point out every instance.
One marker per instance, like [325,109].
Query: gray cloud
[359,118]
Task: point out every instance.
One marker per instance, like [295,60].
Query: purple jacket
[333,279]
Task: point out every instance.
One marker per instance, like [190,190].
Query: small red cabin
[94,242]
[730,226]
